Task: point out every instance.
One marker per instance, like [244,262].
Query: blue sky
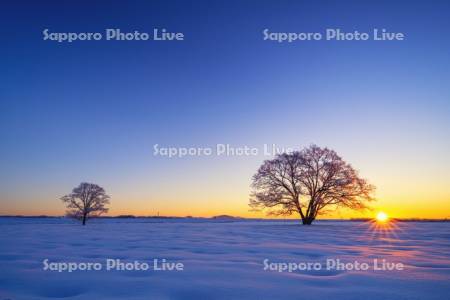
[93,110]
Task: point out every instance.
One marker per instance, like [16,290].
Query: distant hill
[225,217]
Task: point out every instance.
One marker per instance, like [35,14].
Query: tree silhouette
[307,181]
[86,201]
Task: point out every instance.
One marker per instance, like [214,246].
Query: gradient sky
[92,111]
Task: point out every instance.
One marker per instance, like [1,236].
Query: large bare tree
[87,200]
[306,182]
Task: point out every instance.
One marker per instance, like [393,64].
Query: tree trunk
[84,220]
[307,220]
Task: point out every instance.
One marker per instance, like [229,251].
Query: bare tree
[306,182]
[86,201]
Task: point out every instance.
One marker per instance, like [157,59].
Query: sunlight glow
[382,217]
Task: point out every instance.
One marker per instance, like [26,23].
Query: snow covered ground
[222,260]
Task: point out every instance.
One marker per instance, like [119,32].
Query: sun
[382,217]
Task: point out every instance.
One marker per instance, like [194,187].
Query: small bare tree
[86,201]
[307,181]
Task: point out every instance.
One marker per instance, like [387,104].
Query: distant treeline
[227,217]
[100,217]
[397,219]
